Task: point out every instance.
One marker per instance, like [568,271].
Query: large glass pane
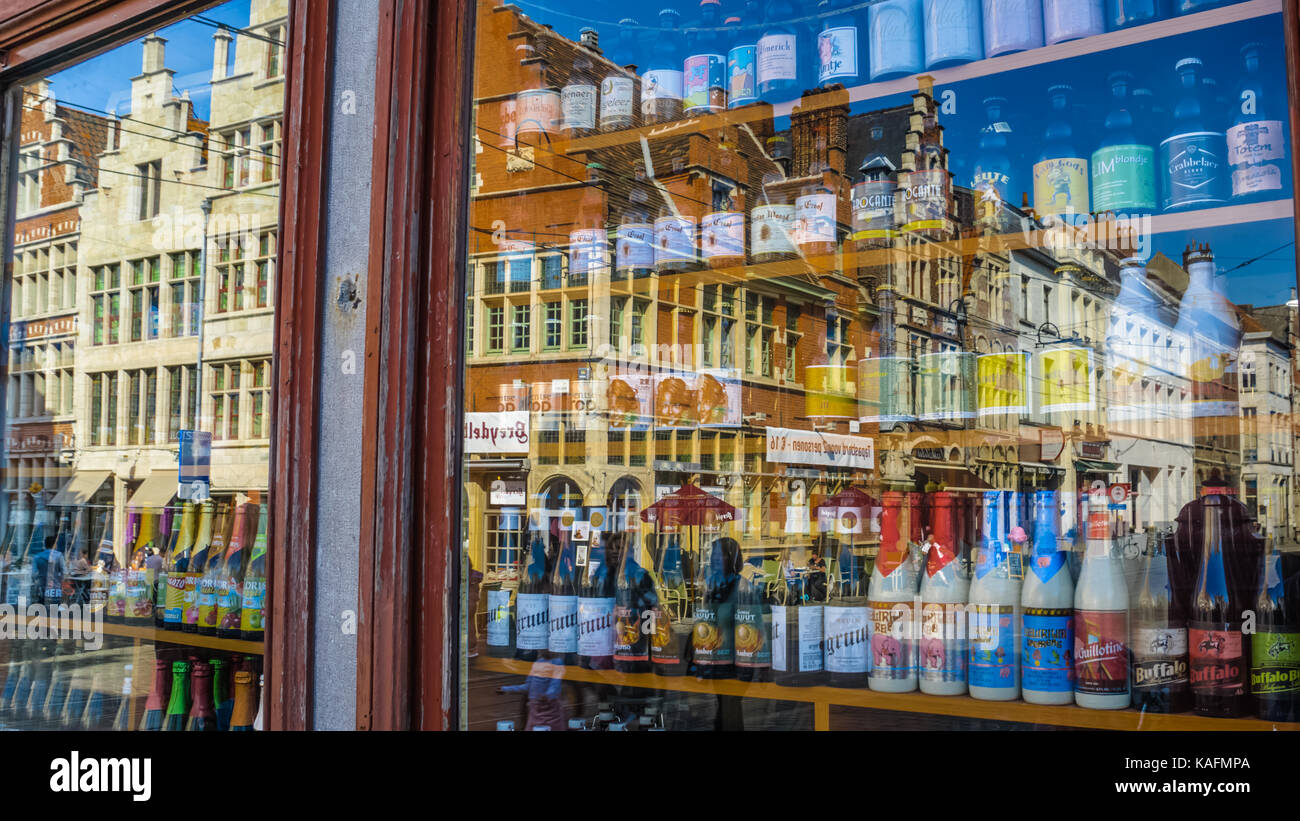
[134,545]
[884,365]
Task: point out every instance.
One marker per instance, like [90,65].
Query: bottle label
[1123,178]
[837,54]
[780,624]
[811,636]
[1193,168]
[674,239]
[1046,565]
[814,219]
[753,647]
[925,203]
[138,598]
[587,251]
[1275,663]
[896,39]
[1047,648]
[669,643]
[705,74]
[714,639]
[1159,656]
[1254,143]
[596,627]
[742,76]
[252,611]
[532,621]
[1100,654]
[992,645]
[1061,185]
[538,111]
[722,234]
[562,612]
[635,245]
[230,595]
[893,651]
[659,84]
[498,618]
[190,600]
[943,643]
[617,95]
[207,603]
[873,209]
[578,104]
[1254,179]
[1216,662]
[777,58]
[630,642]
[771,229]
[993,184]
[848,636]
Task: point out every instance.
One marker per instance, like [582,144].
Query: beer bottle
[12,555]
[1275,647]
[1160,682]
[177,567]
[211,573]
[596,597]
[1191,157]
[815,231]
[846,620]
[155,706]
[261,684]
[798,626]
[198,563]
[203,712]
[618,90]
[893,589]
[704,73]
[993,170]
[252,614]
[778,54]
[753,638]
[500,597]
[896,34]
[52,579]
[562,599]
[87,713]
[661,84]
[670,641]
[230,581]
[578,96]
[122,719]
[944,591]
[1101,613]
[1061,172]
[1122,14]
[995,612]
[742,70]
[713,639]
[952,33]
[539,112]
[139,593]
[1072,19]
[1214,638]
[245,707]
[30,588]
[532,619]
[772,223]
[1123,168]
[167,533]
[178,702]
[675,239]
[634,604]
[50,709]
[1256,142]
[222,696]
[80,687]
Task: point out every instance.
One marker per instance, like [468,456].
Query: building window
[143,295]
[142,406]
[235,160]
[103,408]
[183,294]
[554,325]
[268,150]
[230,275]
[520,327]
[259,396]
[225,380]
[578,323]
[149,188]
[29,181]
[496,328]
[274,51]
[106,304]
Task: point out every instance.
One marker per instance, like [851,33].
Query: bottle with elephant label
[798,634]
[944,590]
[1159,642]
[713,639]
[753,640]
[1101,653]
[1047,612]
[994,611]
[891,596]
[847,643]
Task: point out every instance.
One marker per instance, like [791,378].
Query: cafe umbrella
[687,507]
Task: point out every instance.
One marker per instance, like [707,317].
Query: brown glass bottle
[1218,667]
[203,711]
[1159,643]
[245,709]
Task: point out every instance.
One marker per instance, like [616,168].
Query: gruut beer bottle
[1275,647]
[713,639]
[1159,643]
[197,565]
[596,596]
[848,644]
[1214,637]
[252,610]
[211,573]
[532,618]
[562,599]
[178,562]
[753,640]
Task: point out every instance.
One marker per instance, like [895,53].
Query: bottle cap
[628,21]
[1252,46]
[731,21]
[1119,76]
[669,17]
[710,3]
[994,101]
[1187,61]
[1060,89]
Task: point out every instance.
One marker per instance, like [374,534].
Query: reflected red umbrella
[850,509]
[689,506]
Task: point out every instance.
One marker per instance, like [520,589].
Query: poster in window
[1065,380]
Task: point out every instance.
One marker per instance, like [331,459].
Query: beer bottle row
[1211,625]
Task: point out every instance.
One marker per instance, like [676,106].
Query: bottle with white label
[532,613]
[778,54]
[661,84]
[815,220]
[1192,156]
[1101,657]
[596,597]
[589,241]
[1012,25]
[742,57]
[722,231]
[896,39]
[798,619]
[501,598]
[771,223]
[848,649]
[891,597]
[674,241]
[944,590]
[1072,19]
[634,241]
[562,599]
[1256,141]
[994,626]
[953,34]
[619,97]
[538,112]
[704,72]
[579,97]
[1047,611]
[838,49]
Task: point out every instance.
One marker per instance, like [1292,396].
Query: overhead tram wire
[217,24]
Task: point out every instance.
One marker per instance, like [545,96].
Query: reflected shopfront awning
[955,477]
[1094,466]
[155,492]
[78,491]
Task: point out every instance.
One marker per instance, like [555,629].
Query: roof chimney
[221,40]
[154,47]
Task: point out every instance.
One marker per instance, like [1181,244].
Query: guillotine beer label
[1100,653]
[1193,168]
[837,54]
[630,642]
[1047,649]
[776,58]
[1253,149]
[1275,668]
[498,618]
[714,639]
[943,647]
[742,76]
[892,645]
[1159,656]
[596,627]
[771,229]
[1216,662]
[1061,185]
[1123,178]
[873,209]
[532,621]
[992,644]
[847,639]
[562,613]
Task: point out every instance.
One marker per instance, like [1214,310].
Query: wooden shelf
[958,706]
[152,634]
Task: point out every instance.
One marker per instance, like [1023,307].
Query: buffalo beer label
[753,648]
[992,645]
[892,648]
[630,642]
[596,627]
[1275,667]
[943,646]
[1159,656]
[714,634]
[562,615]
[1216,663]
[847,639]
[1100,653]
[498,618]
[1047,647]
[532,621]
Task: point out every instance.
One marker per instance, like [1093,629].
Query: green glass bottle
[221,694]
[178,706]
